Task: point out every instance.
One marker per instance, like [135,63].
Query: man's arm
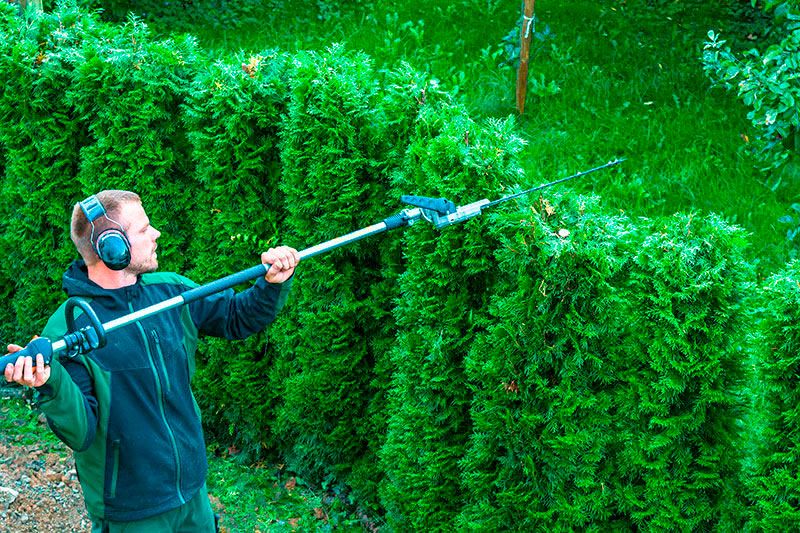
[238,315]
[65,395]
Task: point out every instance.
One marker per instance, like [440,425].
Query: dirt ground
[39,489]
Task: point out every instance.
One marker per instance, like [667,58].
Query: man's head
[124,208]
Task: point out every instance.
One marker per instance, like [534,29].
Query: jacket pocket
[111,485]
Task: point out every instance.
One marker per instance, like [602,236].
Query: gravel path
[39,489]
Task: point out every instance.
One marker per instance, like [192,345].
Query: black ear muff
[112,245]
[113,248]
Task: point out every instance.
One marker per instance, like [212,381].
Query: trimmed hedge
[545,377]
[771,477]
[445,287]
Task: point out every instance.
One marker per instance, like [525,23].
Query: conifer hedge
[444,291]
[771,478]
[545,376]
[231,118]
[605,388]
[549,365]
[336,180]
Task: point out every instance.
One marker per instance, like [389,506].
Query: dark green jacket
[127,410]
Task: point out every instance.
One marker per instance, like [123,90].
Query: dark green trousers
[195,516]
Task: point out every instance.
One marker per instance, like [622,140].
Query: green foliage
[773,489]
[231,118]
[682,389]
[608,376]
[23,425]
[767,83]
[41,141]
[337,151]
[265,497]
[99,114]
[445,287]
[545,377]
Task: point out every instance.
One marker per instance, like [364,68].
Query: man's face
[142,237]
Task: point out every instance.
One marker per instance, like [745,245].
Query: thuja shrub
[606,387]
[679,396]
[88,106]
[232,118]
[40,140]
[445,288]
[773,488]
[336,166]
[544,375]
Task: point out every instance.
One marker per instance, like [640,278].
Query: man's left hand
[283,260]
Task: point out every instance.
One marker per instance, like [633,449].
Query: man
[127,409]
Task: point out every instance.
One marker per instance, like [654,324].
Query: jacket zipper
[162,409]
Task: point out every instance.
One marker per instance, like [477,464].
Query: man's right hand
[24,372]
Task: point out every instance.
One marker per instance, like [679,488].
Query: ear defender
[112,245]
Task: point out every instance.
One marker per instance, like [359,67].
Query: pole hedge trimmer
[437,211]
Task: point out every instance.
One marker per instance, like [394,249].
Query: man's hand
[24,372]
[283,260]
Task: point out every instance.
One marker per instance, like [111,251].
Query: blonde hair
[81,230]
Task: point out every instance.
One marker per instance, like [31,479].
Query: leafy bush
[767,83]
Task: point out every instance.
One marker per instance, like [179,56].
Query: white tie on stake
[438,211]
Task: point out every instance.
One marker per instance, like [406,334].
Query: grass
[264,497]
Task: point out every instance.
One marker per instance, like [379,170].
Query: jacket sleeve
[69,403]
[235,315]
[68,398]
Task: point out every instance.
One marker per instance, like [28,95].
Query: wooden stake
[37,5]
[524,53]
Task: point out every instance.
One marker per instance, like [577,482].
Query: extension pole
[524,54]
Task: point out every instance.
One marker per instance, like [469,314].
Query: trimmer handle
[73,343]
[41,345]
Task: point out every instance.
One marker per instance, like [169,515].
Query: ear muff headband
[112,245]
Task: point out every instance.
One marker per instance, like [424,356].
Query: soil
[39,489]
